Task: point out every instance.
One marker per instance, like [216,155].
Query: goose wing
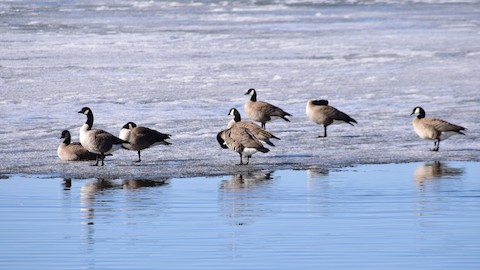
[443,126]
[339,115]
[105,140]
[334,114]
[149,136]
[270,109]
[244,137]
[81,152]
[256,130]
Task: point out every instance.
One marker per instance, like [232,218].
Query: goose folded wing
[246,138]
[271,110]
[105,139]
[444,126]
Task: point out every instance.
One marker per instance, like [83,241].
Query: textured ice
[179,67]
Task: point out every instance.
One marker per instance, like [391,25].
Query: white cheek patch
[417,110]
[86,112]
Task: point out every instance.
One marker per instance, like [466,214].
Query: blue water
[394,216]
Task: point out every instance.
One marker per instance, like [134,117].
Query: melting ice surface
[179,67]
[391,216]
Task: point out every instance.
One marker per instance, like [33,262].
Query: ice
[179,67]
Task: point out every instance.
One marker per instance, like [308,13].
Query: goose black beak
[80,112]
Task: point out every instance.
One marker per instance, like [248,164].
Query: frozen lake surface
[391,216]
[179,67]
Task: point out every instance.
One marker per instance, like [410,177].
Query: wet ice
[179,67]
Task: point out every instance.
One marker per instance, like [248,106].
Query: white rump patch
[338,122]
[446,135]
[273,118]
[249,151]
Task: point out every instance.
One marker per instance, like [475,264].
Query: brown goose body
[321,113]
[433,129]
[261,111]
[141,138]
[256,130]
[242,141]
[73,151]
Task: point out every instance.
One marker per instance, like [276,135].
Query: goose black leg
[241,161]
[324,132]
[102,156]
[139,159]
[96,159]
[436,145]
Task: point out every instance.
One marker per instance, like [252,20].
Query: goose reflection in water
[88,195]
[90,191]
[246,180]
[140,183]
[67,183]
[242,198]
[317,179]
[317,173]
[435,170]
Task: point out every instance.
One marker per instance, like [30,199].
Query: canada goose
[261,111]
[256,130]
[97,141]
[240,140]
[73,151]
[433,129]
[321,113]
[140,138]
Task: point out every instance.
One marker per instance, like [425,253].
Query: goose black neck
[254,96]
[237,116]
[67,139]
[421,114]
[89,120]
